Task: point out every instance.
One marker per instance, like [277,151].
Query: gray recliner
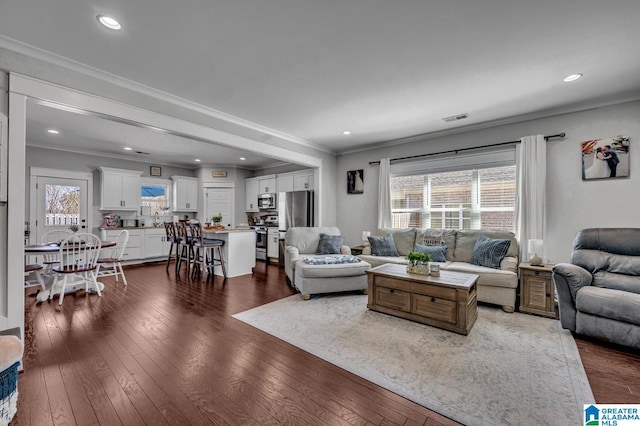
[599,291]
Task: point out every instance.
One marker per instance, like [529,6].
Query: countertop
[208,231]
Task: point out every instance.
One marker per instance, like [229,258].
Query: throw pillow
[489,252]
[433,237]
[383,246]
[329,244]
[437,252]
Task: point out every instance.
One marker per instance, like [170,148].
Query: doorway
[220,200]
[60,200]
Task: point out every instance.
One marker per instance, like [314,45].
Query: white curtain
[384,194]
[531,172]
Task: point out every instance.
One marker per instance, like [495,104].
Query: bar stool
[204,252]
[170,229]
[213,245]
[185,246]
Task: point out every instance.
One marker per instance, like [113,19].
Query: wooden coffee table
[449,301]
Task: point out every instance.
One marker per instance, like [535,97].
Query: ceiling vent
[456,117]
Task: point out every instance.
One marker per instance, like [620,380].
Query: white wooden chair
[53,237]
[112,264]
[78,264]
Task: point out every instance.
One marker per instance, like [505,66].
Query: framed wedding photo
[355,181]
[155,171]
[606,158]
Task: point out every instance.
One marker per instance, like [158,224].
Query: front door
[219,200]
[61,203]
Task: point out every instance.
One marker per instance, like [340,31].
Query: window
[155,198]
[62,205]
[461,199]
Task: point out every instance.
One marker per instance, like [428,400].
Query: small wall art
[606,158]
[155,171]
[355,181]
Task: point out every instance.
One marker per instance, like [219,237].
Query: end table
[537,292]
[356,250]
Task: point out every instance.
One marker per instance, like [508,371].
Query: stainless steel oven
[261,242]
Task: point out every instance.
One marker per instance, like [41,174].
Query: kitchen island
[239,250]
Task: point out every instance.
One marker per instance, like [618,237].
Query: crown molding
[554,112]
[63,62]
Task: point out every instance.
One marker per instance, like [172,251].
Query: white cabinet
[267,184]
[273,237]
[252,190]
[285,183]
[133,250]
[185,194]
[303,181]
[119,189]
[155,243]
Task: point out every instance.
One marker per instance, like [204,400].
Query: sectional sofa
[495,286]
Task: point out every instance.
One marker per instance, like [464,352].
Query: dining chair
[172,238]
[112,265]
[55,236]
[34,269]
[185,246]
[78,264]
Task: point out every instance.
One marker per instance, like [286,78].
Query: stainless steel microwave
[267,201]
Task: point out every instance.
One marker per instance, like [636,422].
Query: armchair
[599,291]
[304,241]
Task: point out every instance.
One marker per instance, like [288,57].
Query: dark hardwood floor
[165,350]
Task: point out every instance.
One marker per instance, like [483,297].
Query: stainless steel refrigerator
[295,209]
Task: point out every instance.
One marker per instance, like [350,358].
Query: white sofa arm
[366,249]
[291,254]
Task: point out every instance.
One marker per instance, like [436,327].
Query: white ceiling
[384,70]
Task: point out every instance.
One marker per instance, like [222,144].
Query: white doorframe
[35,172]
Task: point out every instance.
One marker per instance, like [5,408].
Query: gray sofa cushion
[306,239]
[466,240]
[488,276]
[404,238]
[448,236]
[331,271]
[614,304]
[438,253]
[329,244]
[489,252]
[383,246]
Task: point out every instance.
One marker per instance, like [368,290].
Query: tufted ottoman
[328,278]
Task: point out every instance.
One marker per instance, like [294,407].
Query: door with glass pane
[60,204]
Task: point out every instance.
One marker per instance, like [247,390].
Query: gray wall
[572,204]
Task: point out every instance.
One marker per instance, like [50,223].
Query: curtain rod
[455,151]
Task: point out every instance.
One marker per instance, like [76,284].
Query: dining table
[42,249]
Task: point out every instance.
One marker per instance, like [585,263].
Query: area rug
[511,369]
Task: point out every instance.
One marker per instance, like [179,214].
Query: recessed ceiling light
[126,148]
[109,22]
[53,131]
[572,77]
[346,132]
[242,158]
[197,160]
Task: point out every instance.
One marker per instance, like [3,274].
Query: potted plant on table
[216,220]
[418,262]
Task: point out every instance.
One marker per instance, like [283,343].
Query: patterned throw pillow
[489,252]
[437,252]
[433,237]
[329,244]
[383,246]
[331,260]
